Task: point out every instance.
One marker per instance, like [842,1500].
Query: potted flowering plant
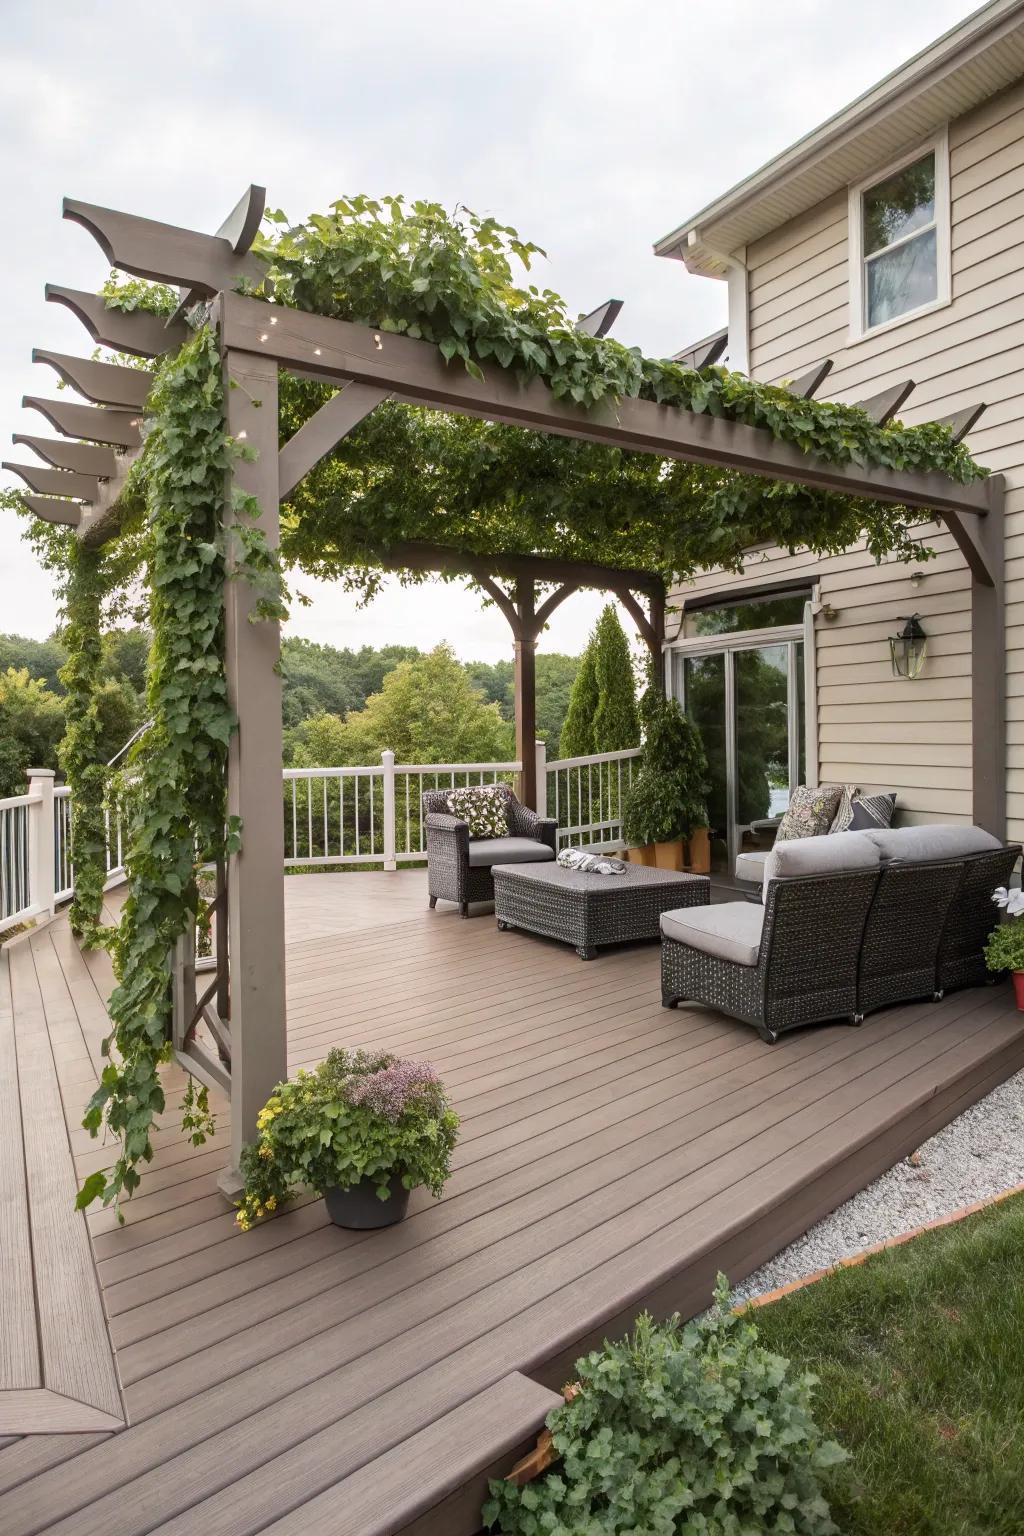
[1005,948]
[363,1130]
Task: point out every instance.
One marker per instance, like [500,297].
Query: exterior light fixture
[909,648]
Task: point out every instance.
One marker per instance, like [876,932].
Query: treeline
[435,709]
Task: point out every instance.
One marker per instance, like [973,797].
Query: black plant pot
[360,1208]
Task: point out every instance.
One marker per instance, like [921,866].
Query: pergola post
[988,668]
[525,691]
[255,883]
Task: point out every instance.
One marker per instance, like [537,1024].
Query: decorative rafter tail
[884,406]
[163,253]
[808,384]
[961,422]
[56,482]
[701,354]
[104,383]
[63,453]
[142,334]
[66,514]
[119,429]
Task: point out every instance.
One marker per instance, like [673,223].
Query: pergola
[88,464]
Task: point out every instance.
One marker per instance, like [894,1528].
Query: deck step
[434,1483]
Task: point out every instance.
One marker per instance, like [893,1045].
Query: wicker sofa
[850,923]
[459,867]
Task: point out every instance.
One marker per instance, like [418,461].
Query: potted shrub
[1005,948]
[362,1130]
[665,804]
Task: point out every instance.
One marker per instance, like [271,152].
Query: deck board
[612,1156]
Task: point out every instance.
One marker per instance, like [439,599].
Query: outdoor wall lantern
[909,648]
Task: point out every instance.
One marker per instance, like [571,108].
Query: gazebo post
[525,632]
[255,882]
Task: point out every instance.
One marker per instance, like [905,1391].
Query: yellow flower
[271,1202]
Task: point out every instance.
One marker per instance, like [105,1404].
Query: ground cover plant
[695,1430]
[920,1354]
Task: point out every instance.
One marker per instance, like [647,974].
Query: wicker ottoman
[588,910]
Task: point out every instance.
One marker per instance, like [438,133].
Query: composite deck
[300,1379]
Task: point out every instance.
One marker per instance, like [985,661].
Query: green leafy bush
[679,1431]
[1005,948]
[666,800]
[359,1115]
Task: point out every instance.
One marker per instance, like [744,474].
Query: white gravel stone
[980,1153]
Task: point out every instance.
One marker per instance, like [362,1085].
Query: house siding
[875,730]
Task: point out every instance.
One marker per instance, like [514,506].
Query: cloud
[593,127]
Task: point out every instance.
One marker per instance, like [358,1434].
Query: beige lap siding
[885,733]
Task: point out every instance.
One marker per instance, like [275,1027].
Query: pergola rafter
[367,366]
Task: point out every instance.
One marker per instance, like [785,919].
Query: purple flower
[389,1091]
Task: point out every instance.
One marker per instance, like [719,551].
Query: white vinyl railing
[333,816]
[369,815]
[36,872]
[585,795]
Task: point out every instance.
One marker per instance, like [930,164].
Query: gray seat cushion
[934,840]
[507,850]
[821,855]
[731,931]
[750,866]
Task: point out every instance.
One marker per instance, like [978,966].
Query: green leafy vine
[178,819]
[79,751]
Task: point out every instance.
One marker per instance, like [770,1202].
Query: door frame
[727,645]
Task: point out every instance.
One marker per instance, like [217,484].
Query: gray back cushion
[821,856]
[936,840]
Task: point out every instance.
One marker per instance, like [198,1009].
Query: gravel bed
[980,1153]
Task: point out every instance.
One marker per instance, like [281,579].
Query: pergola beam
[541,568]
[416,371]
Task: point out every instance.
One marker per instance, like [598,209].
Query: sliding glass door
[747,698]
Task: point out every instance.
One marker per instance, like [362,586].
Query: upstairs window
[899,229]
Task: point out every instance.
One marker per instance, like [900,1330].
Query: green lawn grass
[920,1353]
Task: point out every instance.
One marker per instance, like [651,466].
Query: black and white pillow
[862,813]
[483,806]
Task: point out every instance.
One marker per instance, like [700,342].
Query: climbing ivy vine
[79,751]
[178,818]
[418,270]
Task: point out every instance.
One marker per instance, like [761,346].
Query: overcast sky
[593,127]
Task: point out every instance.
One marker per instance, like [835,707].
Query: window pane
[704,688]
[902,279]
[899,205]
[757,613]
[762,733]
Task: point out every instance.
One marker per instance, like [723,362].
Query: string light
[242,434]
[379,344]
[316,351]
[264,336]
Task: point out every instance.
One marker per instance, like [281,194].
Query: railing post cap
[40,773]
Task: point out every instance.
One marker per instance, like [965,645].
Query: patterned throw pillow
[860,813]
[811,812]
[483,806]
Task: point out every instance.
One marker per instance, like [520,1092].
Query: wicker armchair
[971,918]
[801,970]
[459,869]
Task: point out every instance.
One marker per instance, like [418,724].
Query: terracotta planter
[360,1209]
[643,855]
[698,851]
[669,855]
[1018,989]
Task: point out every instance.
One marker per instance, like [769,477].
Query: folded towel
[590,863]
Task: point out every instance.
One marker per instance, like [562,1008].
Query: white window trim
[939,145]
